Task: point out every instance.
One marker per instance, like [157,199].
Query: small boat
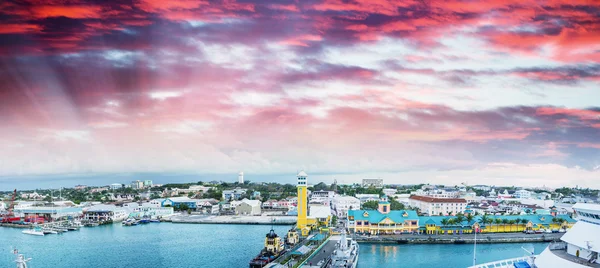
[155,220]
[34,231]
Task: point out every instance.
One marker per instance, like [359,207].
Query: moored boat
[274,247]
[34,231]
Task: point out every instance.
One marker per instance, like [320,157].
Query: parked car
[541,231]
[554,230]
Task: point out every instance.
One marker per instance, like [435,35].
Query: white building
[436,206]
[522,194]
[377,183]
[248,207]
[482,188]
[116,186]
[241,178]
[320,213]
[137,184]
[341,205]
[367,197]
[323,197]
[389,191]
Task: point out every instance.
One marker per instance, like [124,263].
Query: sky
[500,92]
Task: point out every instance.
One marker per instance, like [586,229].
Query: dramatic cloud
[445,91]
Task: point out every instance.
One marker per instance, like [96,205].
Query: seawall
[266,220]
[483,239]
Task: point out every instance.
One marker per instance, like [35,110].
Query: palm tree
[497,221]
[470,218]
[524,222]
[518,221]
[444,223]
[460,218]
[505,222]
[511,222]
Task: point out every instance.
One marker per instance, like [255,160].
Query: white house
[522,194]
[341,205]
[248,207]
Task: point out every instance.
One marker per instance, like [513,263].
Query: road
[323,254]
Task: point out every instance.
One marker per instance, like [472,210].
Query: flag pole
[475,248]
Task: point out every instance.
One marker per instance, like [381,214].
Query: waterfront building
[49,213]
[493,224]
[208,206]
[377,183]
[248,207]
[104,213]
[234,194]
[147,183]
[341,205]
[383,220]
[436,206]
[150,210]
[241,177]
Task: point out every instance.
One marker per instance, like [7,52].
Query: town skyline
[442,91]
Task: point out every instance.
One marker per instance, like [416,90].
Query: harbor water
[212,245]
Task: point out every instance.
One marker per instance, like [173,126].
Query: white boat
[49,231]
[35,231]
[579,246]
[345,253]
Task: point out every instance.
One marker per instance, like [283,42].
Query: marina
[217,245]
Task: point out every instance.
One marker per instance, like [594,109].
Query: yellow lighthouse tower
[302,204]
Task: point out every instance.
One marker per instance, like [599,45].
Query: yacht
[36,230]
[345,253]
[578,248]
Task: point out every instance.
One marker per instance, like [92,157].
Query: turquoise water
[199,245]
[447,256]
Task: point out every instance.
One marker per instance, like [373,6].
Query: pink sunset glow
[410,91]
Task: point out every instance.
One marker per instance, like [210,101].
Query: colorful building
[386,221]
[493,224]
[383,220]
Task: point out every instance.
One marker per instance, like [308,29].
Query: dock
[208,219]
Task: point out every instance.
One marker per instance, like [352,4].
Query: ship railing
[557,246]
[502,263]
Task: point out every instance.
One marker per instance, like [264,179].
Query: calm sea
[191,245]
